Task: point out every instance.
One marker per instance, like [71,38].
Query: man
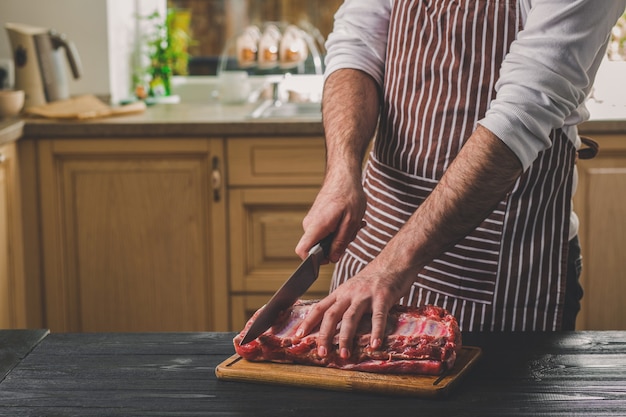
[465,201]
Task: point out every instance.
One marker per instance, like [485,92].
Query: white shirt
[544,79]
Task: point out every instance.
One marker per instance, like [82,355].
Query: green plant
[167,48]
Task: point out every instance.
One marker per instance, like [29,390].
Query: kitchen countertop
[547,374]
[215,120]
[177,120]
[10,130]
[605,119]
[211,120]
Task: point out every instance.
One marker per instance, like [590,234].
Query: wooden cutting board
[83,107]
[236,368]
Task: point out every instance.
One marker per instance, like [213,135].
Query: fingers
[328,313]
[314,317]
[349,316]
[347,232]
[340,313]
[379,322]
[328,329]
[344,235]
[349,324]
[335,210]
[307,241]
[314,231]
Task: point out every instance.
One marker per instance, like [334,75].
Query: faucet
[275,82]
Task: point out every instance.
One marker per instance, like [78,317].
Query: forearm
[480,177]
[350,108]
[350,113]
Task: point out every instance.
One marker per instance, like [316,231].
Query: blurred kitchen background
[213,22]
[189,219]
[113,39]
[112,36]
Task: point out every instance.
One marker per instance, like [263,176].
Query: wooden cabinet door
[133,235]
[12,299]
[265,226]
[600,202]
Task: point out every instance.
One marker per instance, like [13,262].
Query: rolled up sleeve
[549,71]
[359,38]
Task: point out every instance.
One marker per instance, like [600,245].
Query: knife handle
[325,244]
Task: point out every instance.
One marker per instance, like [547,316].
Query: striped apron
[443,58]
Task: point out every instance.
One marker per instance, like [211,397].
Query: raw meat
[422,340]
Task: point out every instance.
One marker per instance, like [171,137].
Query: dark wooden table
[148,374]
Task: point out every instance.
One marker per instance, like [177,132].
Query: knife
[291,290]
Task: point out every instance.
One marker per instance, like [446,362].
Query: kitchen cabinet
[142,234]
[12,296]
[600,202]
[271,186]
[133,234]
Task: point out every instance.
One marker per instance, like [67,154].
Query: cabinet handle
[216,179]
[3,158]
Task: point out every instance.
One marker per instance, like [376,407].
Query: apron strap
[591,149]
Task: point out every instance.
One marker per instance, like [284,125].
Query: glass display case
[214,22]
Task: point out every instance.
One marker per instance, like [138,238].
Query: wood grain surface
[570,374]
[238,369]
[15,345]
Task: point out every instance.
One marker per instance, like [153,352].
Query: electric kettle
[39,64]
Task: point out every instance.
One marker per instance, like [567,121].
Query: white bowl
[11,102]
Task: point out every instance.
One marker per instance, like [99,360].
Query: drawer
[279,161]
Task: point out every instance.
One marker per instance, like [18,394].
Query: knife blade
[292,289]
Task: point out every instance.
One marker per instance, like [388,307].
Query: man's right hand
[338,208]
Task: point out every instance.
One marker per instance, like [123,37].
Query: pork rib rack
[422,340]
